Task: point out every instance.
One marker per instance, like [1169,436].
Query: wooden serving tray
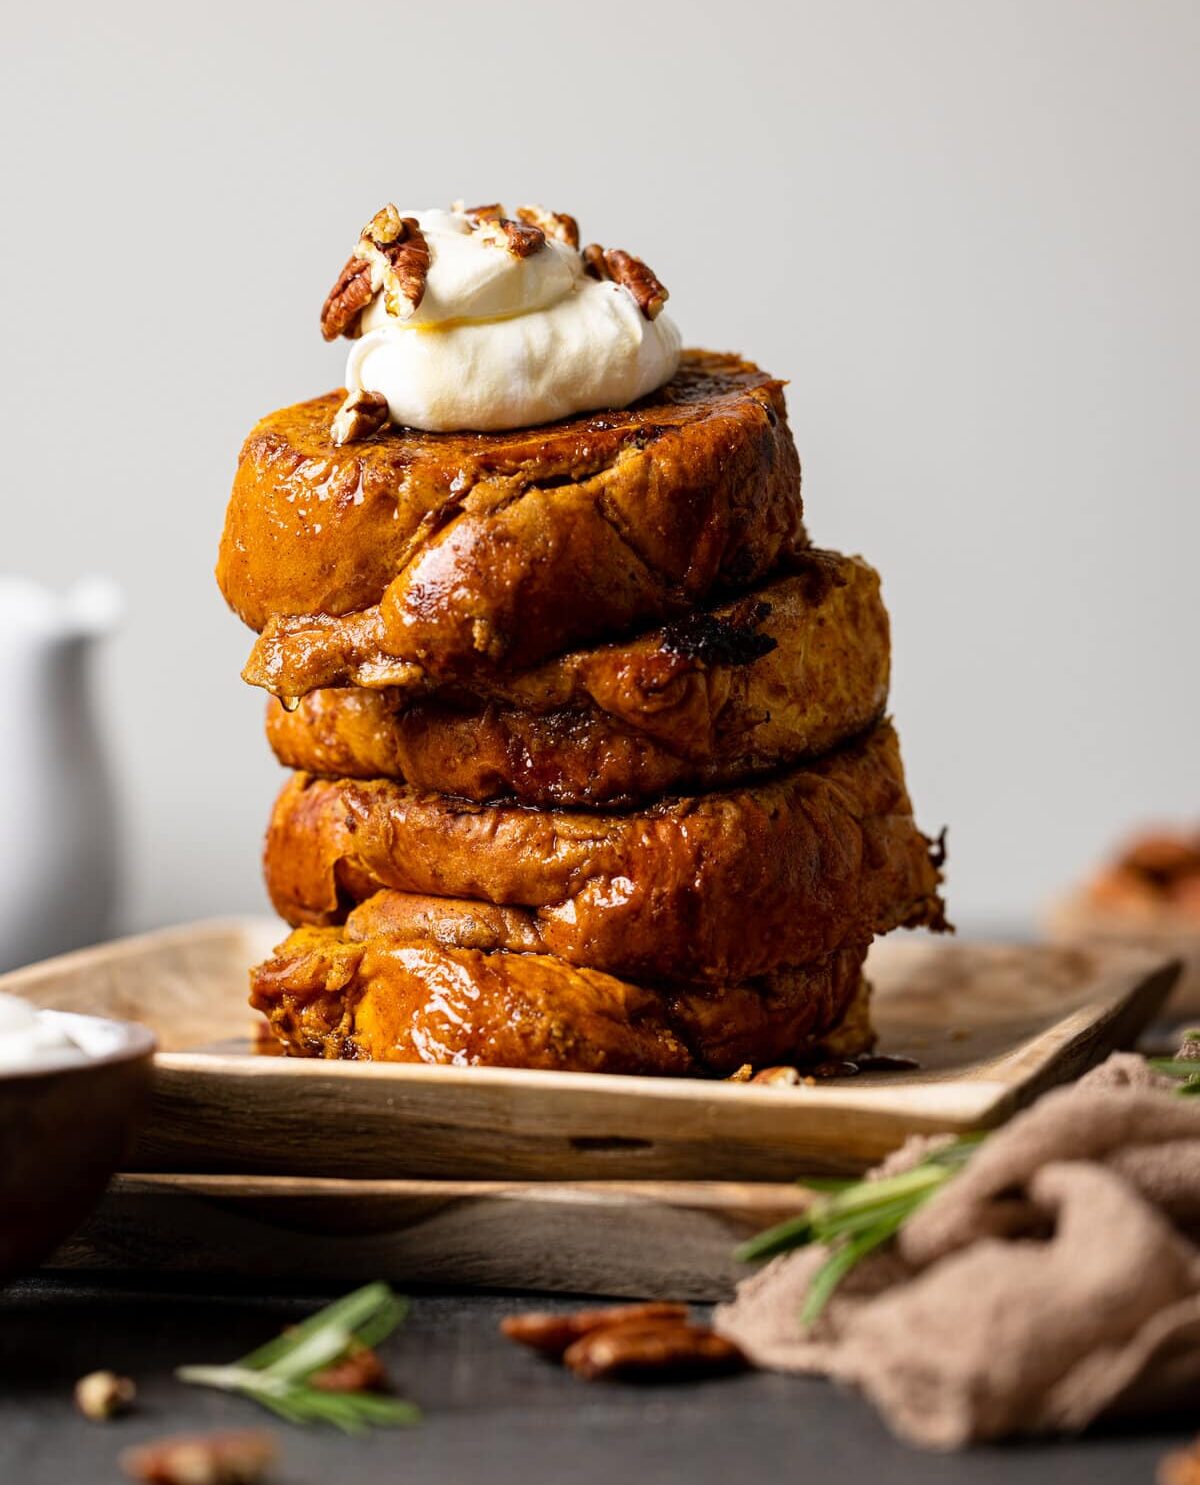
[992,1025]
[632,1238]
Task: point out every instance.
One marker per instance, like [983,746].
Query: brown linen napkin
[1055,1279]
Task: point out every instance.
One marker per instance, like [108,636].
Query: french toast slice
[454,555]
[715,888]
[786,672]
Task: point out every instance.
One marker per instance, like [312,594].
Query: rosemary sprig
[853,1218]
[276,1374]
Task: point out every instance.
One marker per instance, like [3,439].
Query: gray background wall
[967,232]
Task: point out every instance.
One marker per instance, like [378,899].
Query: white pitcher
[59,851]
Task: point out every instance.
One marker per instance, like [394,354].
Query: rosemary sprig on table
[853,1218]
[277,1374]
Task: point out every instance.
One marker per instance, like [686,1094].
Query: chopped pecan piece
[552,1334]
[386,227]
[241,1458]
[102,1395]
[392,258]
[778,1077]
[487,639]
[631,273]
[362,414]
[556,224]
[520,238]
[641,1350]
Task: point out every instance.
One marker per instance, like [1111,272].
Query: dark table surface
[491,1411]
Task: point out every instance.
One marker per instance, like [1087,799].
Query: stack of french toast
[591,762]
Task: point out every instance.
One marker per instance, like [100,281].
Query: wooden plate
[632,1238]
[992,1025]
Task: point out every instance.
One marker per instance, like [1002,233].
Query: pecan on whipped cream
[481,318]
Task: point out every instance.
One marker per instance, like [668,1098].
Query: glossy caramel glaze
[786,672]
[444,556]
[397,999]
[716,888]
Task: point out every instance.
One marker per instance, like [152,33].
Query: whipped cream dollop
[31,1038]
[501,339]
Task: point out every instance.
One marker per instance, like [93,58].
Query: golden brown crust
[823,855]
[787,672]
[391,998]
[467,554]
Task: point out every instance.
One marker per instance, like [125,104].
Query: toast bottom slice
[388,998]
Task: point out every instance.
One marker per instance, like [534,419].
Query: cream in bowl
[33,1040]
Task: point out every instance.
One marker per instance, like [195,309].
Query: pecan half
[556,224]
[631,273]
[362,414]
[392,258]
[552,1334]
[644,1350]
[396,249]
[241,1458]
[345,302]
